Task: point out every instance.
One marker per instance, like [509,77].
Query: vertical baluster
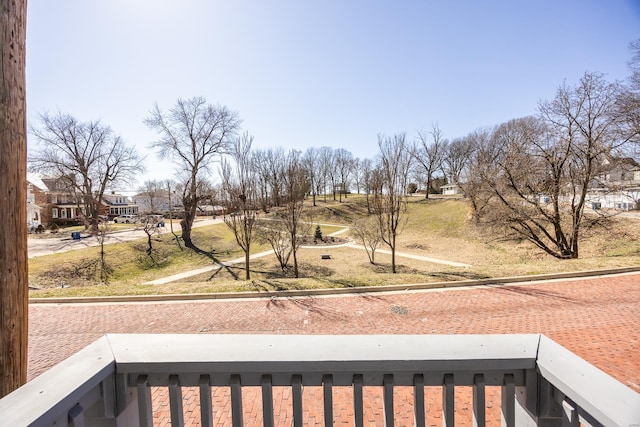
[236,401]
[448,397]
[358,410]
[76,416]
[418,400]
[206,408]
[569,414]
[145,414]
[479,403]
[327,385]
[508,401]
[296,388]
[175,401]
[387,401]
[267,401]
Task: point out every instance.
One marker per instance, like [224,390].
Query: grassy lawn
[436,228]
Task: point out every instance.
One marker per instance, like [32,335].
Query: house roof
[36,181]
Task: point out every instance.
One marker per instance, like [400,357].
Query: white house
[34,218]
[451,190]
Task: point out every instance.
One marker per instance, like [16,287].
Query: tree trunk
[187,224]
[393,254]
[247,270]
[13,197]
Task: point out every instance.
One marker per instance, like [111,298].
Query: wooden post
[13,197]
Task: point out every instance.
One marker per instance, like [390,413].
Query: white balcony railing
[110,382]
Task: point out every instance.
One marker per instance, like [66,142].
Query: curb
[337,291]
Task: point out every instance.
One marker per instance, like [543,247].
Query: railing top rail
[593,390]
[314,355]
[490,351]
[56,390]
[157,357]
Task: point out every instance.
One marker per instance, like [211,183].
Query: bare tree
[327,170]
[13,195]
[86,156]
[171,194]
[368,177]
[429,155]
[261,168]
[389,201]
[154,196]
[630,99]
[268,165]
[192,134]
[458,153]
[274,160]
[481,163]
[344,166]
[356,171]
[368,231]
[276,235]
[311,164]
[545,166]
[295,188]
[240,193]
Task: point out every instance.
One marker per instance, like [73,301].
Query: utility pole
[13,197]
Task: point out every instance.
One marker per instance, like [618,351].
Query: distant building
[58,202]
[451,190]
[34,212]
[154,202]
[116,204]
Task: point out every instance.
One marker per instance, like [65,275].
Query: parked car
[125,219]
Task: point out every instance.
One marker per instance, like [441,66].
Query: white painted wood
[52,394]
[597,393]
[371,355]
[139,362]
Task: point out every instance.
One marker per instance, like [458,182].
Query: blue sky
[312,73]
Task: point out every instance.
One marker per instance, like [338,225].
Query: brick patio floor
[598,319]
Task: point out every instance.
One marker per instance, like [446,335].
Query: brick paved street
[599,319]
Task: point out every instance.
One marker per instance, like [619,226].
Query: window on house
[63,213]
[54,213]
[54,198]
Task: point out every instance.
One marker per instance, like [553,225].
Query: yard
[435,228]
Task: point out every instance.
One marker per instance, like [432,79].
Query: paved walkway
[596,318]
[197,271]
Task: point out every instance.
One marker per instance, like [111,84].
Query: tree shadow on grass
[211,255]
